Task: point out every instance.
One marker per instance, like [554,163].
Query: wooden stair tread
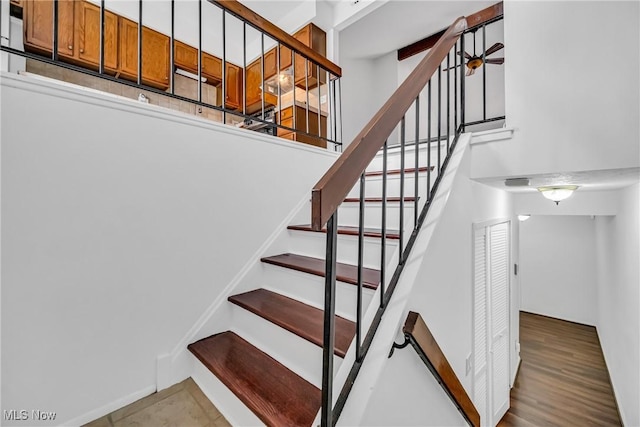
[378,199]
[278,396]
[347,273]
[397,171]
[303,320]
[350,231]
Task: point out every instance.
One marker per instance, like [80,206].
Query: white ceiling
[606,179]
[399,23]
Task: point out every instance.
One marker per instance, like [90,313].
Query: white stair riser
[373,185]
[309,289]
[349,214]
[393,157]
[228,403]
[299,355]
[314,245]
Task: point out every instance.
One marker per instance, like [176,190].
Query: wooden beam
[427,43]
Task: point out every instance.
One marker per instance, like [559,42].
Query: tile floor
[181,405]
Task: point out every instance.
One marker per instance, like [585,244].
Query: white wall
[443,296]
[558,267]
[570,113]
[358,88]
[618,293]
[121,223]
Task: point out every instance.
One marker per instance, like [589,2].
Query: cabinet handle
[70,47]
[81,50]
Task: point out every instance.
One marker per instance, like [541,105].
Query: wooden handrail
[245,14]
[429,351]
[332,188]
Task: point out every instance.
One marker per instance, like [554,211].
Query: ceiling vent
[516,182]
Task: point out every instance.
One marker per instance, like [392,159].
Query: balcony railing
[223,60]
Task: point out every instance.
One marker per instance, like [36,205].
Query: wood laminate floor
[563,380]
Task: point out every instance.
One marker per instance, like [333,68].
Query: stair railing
[444,59]
[417,334]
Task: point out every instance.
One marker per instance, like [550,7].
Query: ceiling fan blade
[466,55]
[496,47]
[497,61]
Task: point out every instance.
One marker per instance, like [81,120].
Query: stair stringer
[397,310]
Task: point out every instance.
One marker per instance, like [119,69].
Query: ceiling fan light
[557,193]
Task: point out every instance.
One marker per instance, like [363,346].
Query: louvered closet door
[480,372]
[499,314]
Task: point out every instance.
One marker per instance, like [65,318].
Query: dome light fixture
[558,193]
[523,217]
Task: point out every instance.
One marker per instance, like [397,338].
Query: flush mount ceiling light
[523,217]
[557,193]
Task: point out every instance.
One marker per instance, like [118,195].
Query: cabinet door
[253,84]
[233,87]
[270,64]
[38,26]
[155,54]
[285,58]
[185,57]
[88,35]
[212,68]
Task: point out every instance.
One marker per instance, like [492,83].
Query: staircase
[271,358]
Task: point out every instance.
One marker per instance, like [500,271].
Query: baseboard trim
[613,390]
[110,407]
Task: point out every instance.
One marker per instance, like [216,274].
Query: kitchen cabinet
[78,32]
[155,55]
[254,85]
[233,95]
[186,58]
[38,27]
[88,36]
[298,120]
[316,39]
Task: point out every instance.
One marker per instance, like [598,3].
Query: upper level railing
[226,61]
[443,117]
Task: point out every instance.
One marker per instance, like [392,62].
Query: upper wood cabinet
[306,72]
[78,32]
[233,95]
[186,57]
[88,35]
[38,27]
[155,54]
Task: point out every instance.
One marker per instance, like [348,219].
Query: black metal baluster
[429,141]
[455,87]
[360,277]
[244,68]
[224,67]
[383,239]
[329,322]
[101,47]
[335,112]
[172,51]
[402,141]
[279,121]
[306,87]
[415,171]
[462,87]
[293,105]
[54,47]
[199,50]
[139,42]
[319,103]
[262,85]
[439,115]
[484,73]
[340,105]
[448,101]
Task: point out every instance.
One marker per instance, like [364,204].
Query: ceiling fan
[475,61]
